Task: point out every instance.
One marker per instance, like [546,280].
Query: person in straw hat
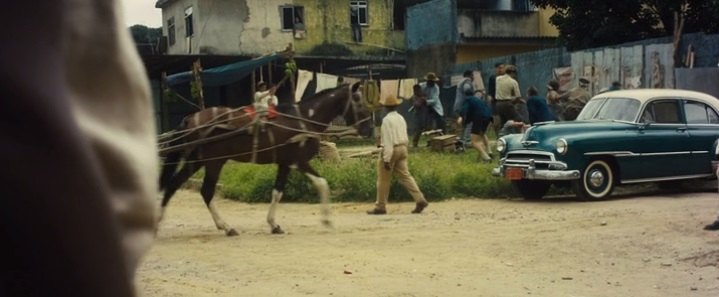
[393,159]
[431,88]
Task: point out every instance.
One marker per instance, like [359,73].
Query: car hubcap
[596,178]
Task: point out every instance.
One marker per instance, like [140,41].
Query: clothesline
[400,88]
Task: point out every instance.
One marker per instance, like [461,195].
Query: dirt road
[652,245]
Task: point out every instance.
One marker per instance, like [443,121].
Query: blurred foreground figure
[78,151]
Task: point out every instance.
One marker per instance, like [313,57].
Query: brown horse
[211,137]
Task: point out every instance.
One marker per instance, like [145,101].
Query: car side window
[700,113]
[696,113]
[713,116]
[665,112]
[648,115]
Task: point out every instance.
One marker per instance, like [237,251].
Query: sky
[142,12]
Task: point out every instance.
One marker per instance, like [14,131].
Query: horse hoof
[231,232]
[327,223]
[277,230]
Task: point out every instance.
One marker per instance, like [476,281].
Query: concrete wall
[176,9]
[431,23]
[253,27]
[479,23]
[433,58]
[432,37]
[328,21]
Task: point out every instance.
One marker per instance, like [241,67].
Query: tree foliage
[594,23]
[143,34]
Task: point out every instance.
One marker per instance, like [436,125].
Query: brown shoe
[377,211]
[420,207]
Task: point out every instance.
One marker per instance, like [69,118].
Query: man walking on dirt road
[393,160]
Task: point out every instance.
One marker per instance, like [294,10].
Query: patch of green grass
[439,176]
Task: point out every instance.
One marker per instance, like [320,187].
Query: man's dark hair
[532,91]
[496,65]
[467,73]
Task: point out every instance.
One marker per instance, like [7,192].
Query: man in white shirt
[393,160]
[508,95]
[265,97]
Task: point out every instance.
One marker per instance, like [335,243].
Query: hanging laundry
[325,81]
[405,87]
[370,90]
[303,79]
[388,88]
[350,80]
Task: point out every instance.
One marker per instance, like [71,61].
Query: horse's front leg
[283,172]
[212,175]
[323,190]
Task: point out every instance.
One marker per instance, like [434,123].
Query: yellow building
[328,27]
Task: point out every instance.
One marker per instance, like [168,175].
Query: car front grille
[521,159]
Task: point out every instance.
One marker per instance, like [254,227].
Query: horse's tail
[172,160]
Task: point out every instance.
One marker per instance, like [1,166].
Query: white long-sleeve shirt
[264,98]
[394,132]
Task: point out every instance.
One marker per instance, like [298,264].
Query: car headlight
[501,145]
[561,146]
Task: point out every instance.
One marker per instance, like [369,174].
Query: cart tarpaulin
[223,75]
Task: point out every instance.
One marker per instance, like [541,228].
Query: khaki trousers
[398,165]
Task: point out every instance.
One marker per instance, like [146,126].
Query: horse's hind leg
[176,182]
[322,189]
[283,172]
[212,175]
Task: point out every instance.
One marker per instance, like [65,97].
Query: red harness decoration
[271,111]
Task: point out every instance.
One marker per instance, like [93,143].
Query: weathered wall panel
[658,66]
[698,79]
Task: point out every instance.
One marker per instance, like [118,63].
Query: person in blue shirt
[475,111]
[537,108]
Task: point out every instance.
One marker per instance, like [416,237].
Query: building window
[523,6]
[189,29]
[171,30]
[359,13]
[291,15]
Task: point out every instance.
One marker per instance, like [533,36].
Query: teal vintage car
[619,138]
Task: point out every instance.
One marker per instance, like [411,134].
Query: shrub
[439,176]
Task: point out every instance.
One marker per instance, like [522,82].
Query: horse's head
[356,112]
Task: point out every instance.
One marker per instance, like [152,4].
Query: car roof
[647,94]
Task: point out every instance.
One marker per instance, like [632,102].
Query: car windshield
[619,109]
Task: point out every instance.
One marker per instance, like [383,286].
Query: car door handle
[682,129]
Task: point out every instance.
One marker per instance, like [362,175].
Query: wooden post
[197,77]
[252,84]
[164,115]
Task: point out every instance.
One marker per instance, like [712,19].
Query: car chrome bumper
[531,172]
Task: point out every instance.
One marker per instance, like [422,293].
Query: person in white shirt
[393,160]
[264,97]
[508,95]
